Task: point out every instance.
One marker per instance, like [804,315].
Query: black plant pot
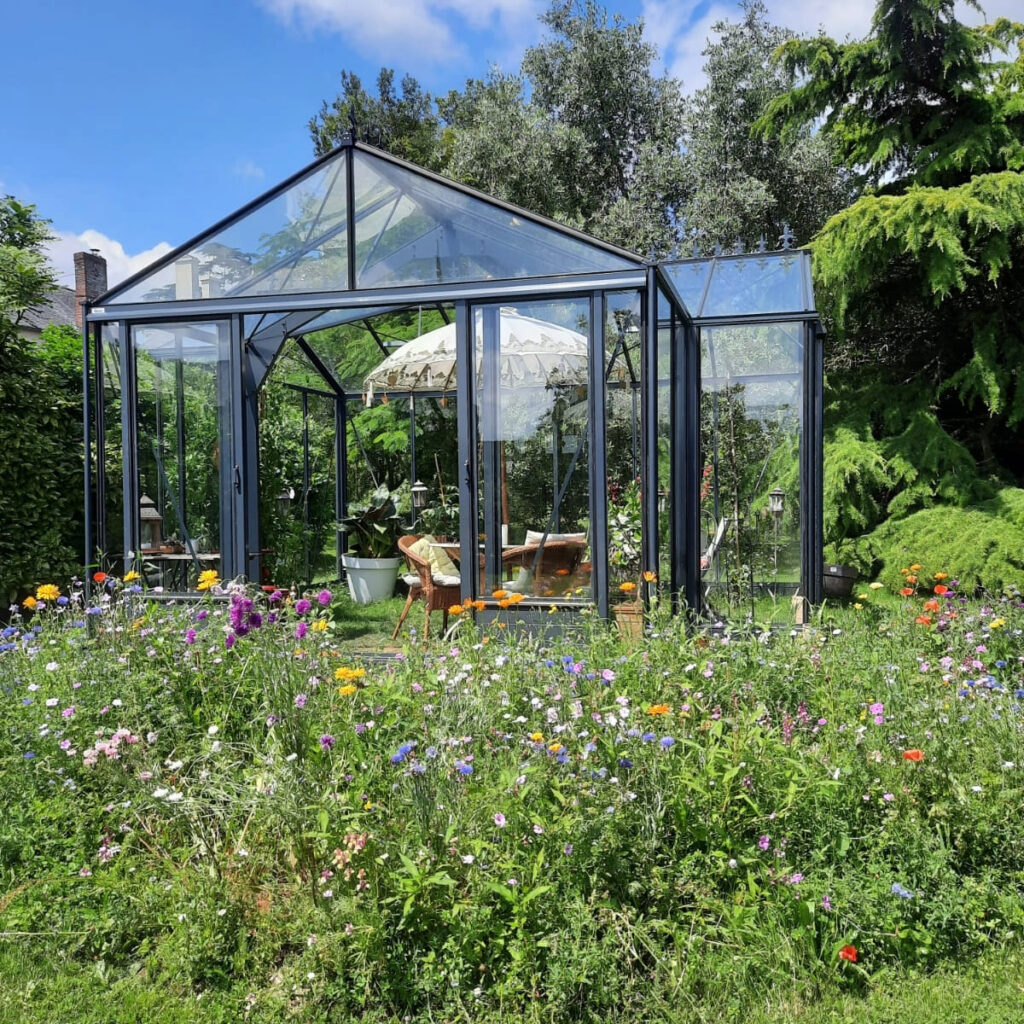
[838,580]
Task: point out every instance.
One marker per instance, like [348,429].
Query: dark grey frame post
[649,432]
[491,411]
[597,443]
[86,448]
[250,462]
[99,507]
[685,420]
[340,472]
[811,469]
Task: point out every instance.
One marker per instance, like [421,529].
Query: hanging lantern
[776,502]
[419,494]
[151,523]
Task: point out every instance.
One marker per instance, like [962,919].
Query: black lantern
[150,522]
[419,494]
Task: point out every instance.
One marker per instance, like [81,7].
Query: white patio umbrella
[533,353]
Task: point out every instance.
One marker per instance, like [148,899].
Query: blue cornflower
[463,769]
[562,757]
[648,736]
[667,741]
[397,758]
[898,890]
[28,755]
[624,762]
[431,752]
[7,647]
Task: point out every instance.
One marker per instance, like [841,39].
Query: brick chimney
[90,280]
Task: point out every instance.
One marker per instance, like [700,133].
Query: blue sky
[132,124]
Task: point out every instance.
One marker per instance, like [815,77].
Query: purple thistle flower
[326,742]
[229,641]
[300,630]
[302,606]
[190,636]
[300,700]
[324,597]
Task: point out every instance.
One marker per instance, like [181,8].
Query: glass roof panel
[760,283]
[293,240]
[412,229]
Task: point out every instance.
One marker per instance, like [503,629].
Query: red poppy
[906,591]
[99,577]
[940,589]
[913,755]
[923,620]
[848,953]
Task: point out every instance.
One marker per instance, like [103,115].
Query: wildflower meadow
[211,812]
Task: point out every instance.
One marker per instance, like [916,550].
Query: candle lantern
[151,523]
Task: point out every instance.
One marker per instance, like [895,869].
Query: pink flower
[499,820]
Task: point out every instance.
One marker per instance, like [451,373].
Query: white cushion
[446,581]
[535,537]
[411,579]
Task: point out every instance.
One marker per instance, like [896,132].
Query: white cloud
[246,168]
[422,29]
[120,265]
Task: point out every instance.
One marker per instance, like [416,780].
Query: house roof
[59,308]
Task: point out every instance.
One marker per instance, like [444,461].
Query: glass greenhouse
[588,426]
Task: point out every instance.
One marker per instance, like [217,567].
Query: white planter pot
[370,579]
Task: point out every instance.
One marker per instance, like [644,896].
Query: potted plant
[372,529]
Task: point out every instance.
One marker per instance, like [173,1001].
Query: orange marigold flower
[903,572]
[848,953]
[29,602]
[911,579]
[915,567]
[659,709]
[931,606]
[479,605]
[504,602]
[906,591]
[923,620]
[940,589]
[942,575]
[515,598]
[650,577]
[455,609]
[913,755]
[500,594]
[628,587]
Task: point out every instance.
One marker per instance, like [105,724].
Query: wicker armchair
[558,561]
[438,596]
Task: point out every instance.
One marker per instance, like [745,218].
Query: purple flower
[764,842]
[302,606]
[796,879]
[300,700]
[300,630]
[666,742]
[229,641]
[255,620]
[324,597]
[499,820]
[826,903]
[275,597]
[190,636]
[326,742]
[202,614]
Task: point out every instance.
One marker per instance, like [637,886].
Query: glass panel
[743,285]
[623,341]
[110,470]
[751,421]
[532,419]
[669,334]
[293,241]
[183,427]
[414,230]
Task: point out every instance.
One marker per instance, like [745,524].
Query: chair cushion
[411,579]
[445,580]
[536,536]
[440,564]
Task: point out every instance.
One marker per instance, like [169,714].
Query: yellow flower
[875,586]
[320,625]
[555,748]
[942,575]
[659,709]
[131,576]
[368,806]
[455,609]
[858,605]
[347,690]
[552,608]
[29,602]
[650,577]
[344,674]
[862,597]
[537,737]
[208,579]
[997,624]
[915,567]
[47,592]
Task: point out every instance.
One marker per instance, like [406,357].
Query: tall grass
[702,823]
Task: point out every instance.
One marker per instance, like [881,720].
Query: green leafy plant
[372,527]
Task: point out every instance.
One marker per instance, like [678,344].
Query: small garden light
[419,494]
[776,502]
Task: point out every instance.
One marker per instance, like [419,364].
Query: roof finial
[787,238]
